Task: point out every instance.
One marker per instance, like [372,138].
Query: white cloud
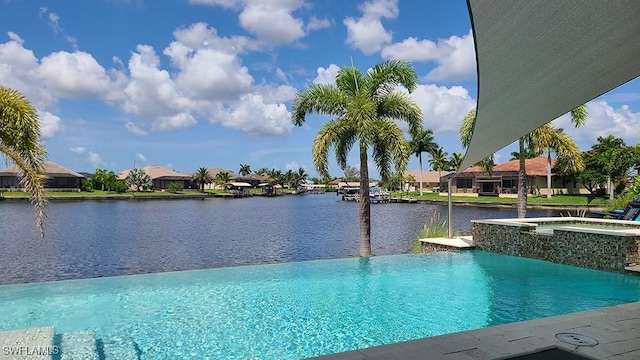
[326,76]
[223,3]
[140,157]
[252,115]
[294,165]
[281,75]
[74,75]
[19,70]
[151,92]
[276,94]
[209,66]
[78,149]
[95,159]
[443,108]
[270,21]
[50,124]
[456,59]
[173,122]
[455,56]
[367,33]
[131,127]
[14,37]
[411,49]
[603,120]
[54,23]
[316,24]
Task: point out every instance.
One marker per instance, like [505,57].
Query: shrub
[433,228]
[87,185]
[175,187]
[119,186]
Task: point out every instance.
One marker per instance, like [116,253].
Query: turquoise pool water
[297,310]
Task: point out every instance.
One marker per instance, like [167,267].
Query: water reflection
[107,238]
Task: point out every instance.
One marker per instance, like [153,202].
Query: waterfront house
[504,179]
[58,177]
[161,177]
[430,180]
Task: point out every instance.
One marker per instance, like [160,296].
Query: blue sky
[190,83]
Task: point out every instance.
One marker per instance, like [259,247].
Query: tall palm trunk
[548,174]
[420,161]
[610,187]
[522,183]
[365,204]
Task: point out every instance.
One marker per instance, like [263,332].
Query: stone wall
[592,250]
[428,247]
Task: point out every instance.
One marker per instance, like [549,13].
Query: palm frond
[31,178]
[330,135]
[320,98]
[466,128]
[390,147]
[579,115]
[350,81]
[400,106]
[386,76]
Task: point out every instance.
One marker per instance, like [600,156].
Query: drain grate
[576,339]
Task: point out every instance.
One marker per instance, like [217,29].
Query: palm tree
[465,131]
[289,178]
[455,160]
[422,142]
[222,178]
[244,169]
[139,178]
[578,118]
[529,153]
[548,138]
[439,161]
[20,142]
[363,108]
[276,177]
[202,177]
[301,176]
[262,171]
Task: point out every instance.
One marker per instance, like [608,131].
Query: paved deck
[617,330]
[460,242]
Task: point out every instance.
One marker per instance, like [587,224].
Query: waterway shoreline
[480,204]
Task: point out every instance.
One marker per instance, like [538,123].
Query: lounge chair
[630,212]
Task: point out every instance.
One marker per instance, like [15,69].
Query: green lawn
[556,199]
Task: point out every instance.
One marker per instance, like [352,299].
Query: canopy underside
[537,60]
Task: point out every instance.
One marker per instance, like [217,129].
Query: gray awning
[538,59]
[239,184]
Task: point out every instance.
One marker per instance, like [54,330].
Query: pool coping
[616,328]
[532,223]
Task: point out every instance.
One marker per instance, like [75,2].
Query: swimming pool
[297,310]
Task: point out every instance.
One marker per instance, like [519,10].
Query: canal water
[87,239]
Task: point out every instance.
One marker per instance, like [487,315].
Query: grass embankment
[541,200]
[100,193]
[131,194]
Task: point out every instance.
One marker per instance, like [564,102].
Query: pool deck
[616,328]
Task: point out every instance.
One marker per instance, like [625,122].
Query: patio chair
[630,212]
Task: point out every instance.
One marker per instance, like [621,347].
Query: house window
[464,183]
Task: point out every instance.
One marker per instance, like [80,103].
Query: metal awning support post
[450,204]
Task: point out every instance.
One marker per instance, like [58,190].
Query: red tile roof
[534,167]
